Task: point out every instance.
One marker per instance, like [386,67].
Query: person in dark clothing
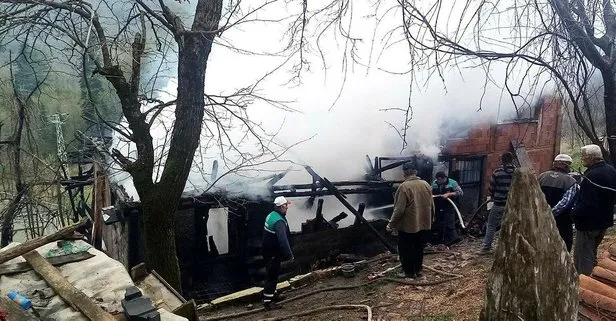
[444,229]
[275,248]
[500,183]
[555,184]
[593,212]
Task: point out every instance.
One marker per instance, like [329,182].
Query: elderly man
[275,248]
[559,189]
[593,212]
[412,218]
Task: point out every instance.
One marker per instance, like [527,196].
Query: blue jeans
[494,222]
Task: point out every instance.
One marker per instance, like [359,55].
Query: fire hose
[455,208]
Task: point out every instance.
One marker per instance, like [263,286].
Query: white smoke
[341,134]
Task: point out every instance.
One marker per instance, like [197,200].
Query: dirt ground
[454,300]
[458,299]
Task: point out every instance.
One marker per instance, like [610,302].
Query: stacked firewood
[598,292]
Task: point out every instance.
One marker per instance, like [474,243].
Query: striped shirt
[500,183]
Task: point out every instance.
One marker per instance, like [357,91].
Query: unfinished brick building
[534,140]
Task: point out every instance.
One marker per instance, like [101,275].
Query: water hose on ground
[477,211]
[331,307]
[339,288]
[301,296]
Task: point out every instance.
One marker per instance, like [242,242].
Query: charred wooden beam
[333,223]
[344,202]
[360,210]
[294,187]
[319,215]
[365,190]
[388,167]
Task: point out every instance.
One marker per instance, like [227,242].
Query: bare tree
[566,42]
[22,99]
[80,34]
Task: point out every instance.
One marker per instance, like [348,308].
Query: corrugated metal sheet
[100,278]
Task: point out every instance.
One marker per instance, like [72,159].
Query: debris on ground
[452,288]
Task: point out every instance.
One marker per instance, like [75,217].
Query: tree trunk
[9,216]
[161,202]
[532,277]
[159,229]
[609,100]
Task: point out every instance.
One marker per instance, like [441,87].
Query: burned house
[218,234]
[534,140]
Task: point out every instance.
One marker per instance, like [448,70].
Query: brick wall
[540,137]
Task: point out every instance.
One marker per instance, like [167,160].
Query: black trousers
[272,265]
[564,223]
[444,229]
[411,251]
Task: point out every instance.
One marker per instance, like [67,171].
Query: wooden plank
[75,298]
[97,205]
[116,241]
[247,294]
[522,155]
[188,310]
[7,269]
[14,311]
[157,292]
[33,244]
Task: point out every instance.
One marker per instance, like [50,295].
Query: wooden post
[319,221]
[532,277]
[97,203]
[60,205]
[75,298]
[360,210]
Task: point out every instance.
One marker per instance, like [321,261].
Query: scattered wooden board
[33,244]
[157,291]
[15,312]
[75,298]
[7,269]
[247,294]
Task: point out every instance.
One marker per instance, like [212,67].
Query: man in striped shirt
[499,190]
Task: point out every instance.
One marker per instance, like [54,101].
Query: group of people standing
[586,204]
[425,213]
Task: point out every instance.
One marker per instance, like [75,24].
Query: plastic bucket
[348,270]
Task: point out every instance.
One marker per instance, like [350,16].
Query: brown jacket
[413,206]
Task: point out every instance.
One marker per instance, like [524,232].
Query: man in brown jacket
[412,218]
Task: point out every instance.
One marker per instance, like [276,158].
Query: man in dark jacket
[500,183]
[444,229]
[275,248]
[555,184]
[593,212]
